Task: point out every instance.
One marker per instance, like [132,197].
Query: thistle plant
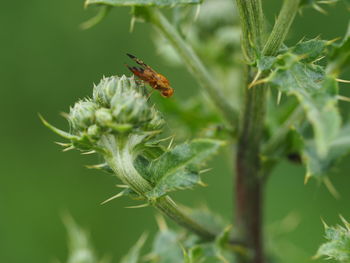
[266,100]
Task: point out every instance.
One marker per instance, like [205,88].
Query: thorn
[63,144]
[255,80]
[90,152]
[205,170]
[122,186]
[343,80]
[319,9]
[324,223]
[161,223]
[201,183]
[65,115]
[68,149]
[138,206]
[96,166]
[307,177]
[318,59]
[331,188]
[113,197]
[279,96]
[343,98]
[167,138]
[329,42]
[132,24]
[170,143]
[346,223]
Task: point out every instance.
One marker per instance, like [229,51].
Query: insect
[154,79]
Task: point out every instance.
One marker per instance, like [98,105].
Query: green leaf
[337,246]
[160,3]
[208,219]
[339,58]
[319,166]
[311,50]
[213,252]
[133,255]
[166,247]
[316,93]
[80,247]
[179,167]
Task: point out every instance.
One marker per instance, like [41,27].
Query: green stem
[194,65]
[281,27]
[248,186]
[252,21]
[120,159]
[249,170]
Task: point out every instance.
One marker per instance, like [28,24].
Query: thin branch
[281,28]
[194,65]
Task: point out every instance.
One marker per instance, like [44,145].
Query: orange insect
[155,80]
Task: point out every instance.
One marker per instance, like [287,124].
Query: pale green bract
[160,3]
[337,246]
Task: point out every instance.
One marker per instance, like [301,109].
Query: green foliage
[339,56]
[320,166]
[337,246]
[120,123]
[179,167]
[134,253]
[141,2]
[316,93]
[80,247]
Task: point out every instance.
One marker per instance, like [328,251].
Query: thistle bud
[82,115]
[103,117]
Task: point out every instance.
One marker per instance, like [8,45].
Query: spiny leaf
[320,166]
[160,3]
[179,167]
[316,93]
[133,255]
[337,246]
[311,49]
[80,248]
[339,58]
[166,247]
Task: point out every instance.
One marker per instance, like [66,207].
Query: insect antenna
[138,61]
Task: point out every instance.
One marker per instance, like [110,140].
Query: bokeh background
[46,64]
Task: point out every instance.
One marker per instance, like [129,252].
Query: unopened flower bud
[103,117]
[82,115]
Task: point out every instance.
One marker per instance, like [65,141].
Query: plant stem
[120,159]
[252,21]
[248,186]
[249,183]
[194,65]
[281,27]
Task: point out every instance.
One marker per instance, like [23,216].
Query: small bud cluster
[118,105]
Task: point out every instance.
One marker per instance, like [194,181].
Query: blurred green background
[46,64]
